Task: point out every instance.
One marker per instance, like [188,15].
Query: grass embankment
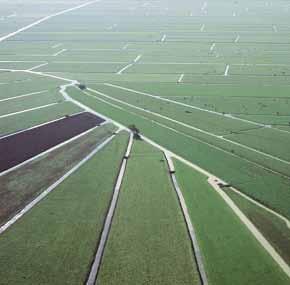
[36,117]
[55,242]
[231,253]
[148,242]
[19,187]
[273,228]
[244,174]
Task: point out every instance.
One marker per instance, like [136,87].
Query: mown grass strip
[55,242]
[231,253]
[148,242]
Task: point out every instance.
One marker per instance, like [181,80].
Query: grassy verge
[273,228]
[231,253]
[148,242]
[55,242]
[19,187]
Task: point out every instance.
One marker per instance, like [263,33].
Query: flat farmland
[21,186]
[222,237]
[55,242]
[207,82]
[148,242]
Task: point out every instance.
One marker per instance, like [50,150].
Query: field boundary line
[251,227]
[59,52]
[38,66]
[189,225]
[23,95]
[183,104]
[36,126]
[52,187]
[180,78]
[192,127]
[227,70]
[124,68]
[48,150]
[27,110]
[57,45]
[109,218]
[192,165]
[281,217]
[25,28]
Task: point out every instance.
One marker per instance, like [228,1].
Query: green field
[148,242]
[21,186]
[27,120]
[226,244]
[55,242]
[272,227]
[207,80]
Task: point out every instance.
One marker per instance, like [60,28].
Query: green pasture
[222,237]
[27,120]
[148,242]
[272,227]
[55,242]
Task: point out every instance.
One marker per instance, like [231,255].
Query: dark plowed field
[20,147]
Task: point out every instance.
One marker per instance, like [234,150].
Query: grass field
[21,186]
[55,242]
[148,242]
[223,239]
[27,120]
[273,228]
[208,80]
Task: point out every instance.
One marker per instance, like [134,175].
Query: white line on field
[27,110]
[125,46]
[227,70]
[124,68]
[190,164]
[107,226]
[193,127]
[202,28]
[53,186]
[212,47]
[38,66]
[24,95]
[57,45]
[163,38]
[138,58]
[37,126]
[59,52]
[237,38]
[252,228]
[12,15]
[45,19]
[189,106]
[192,138]
[287,222]
[234,14]
[275,28]
[180,78]
[190,228]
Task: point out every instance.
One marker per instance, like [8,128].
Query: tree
[135,131]
[82,86]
